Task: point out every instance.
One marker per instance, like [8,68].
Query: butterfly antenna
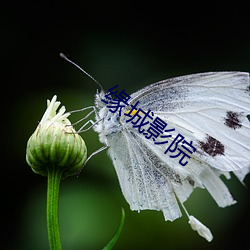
[90,76]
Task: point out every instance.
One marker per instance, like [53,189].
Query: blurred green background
[120,43]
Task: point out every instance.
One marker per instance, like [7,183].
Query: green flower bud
[55,144]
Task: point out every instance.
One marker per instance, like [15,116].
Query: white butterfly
[210,110]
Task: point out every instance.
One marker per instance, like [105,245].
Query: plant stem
[54,177]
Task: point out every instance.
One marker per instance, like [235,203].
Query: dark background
[131,44]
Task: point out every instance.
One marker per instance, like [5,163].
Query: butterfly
[209,111]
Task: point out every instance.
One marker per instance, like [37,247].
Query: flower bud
[55,144]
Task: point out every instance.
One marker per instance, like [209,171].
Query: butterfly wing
[151,180]
[210,109]
[138,170]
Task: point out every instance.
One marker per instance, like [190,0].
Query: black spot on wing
[248,117]
[248,89]
[212,146]
[191,181]
[233,119]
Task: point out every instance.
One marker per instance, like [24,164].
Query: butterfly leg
[81,129]
[96,152]
[92,154]
[86,116]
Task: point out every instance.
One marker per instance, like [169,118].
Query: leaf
[117,234]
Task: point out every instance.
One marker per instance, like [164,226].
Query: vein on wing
[192,124]
[232,97]
[204,132]
[171,191]
[215,78]
[133,154]
[210,118]
[161,113]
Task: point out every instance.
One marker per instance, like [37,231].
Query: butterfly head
[99,99]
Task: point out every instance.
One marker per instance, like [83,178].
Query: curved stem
[117,234]
[54,177]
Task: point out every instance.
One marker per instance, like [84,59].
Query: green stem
[54,177]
